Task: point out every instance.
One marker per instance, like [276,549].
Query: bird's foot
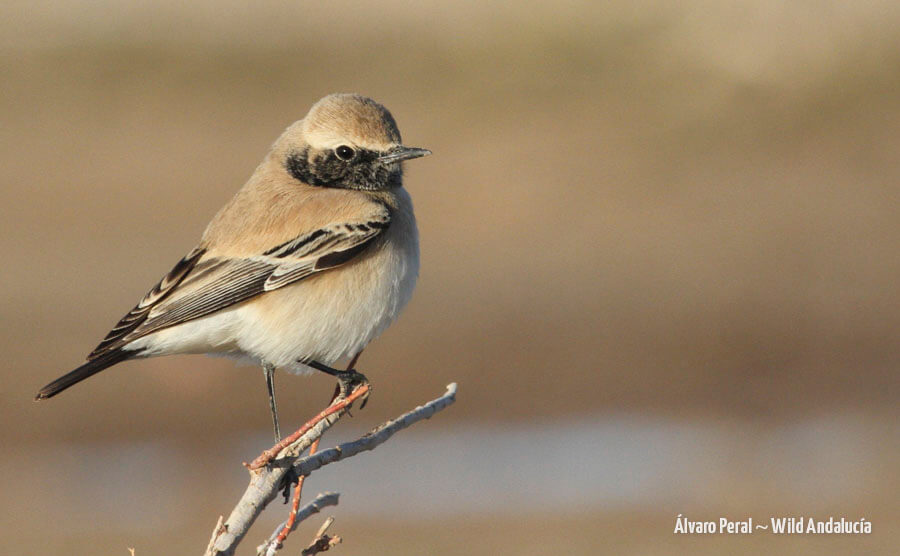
[348,381]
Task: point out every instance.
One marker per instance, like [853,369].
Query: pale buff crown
[342,119]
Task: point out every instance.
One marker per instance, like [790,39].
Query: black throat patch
[363,171]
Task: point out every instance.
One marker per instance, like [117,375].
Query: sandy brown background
[681,212]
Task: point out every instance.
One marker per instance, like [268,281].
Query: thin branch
[273,543]
[292,522]
[265,482]
[322,542]
[378,435]
[218,530]
[290,446]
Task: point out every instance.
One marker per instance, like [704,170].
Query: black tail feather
[89,369]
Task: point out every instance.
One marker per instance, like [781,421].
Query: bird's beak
[400,153]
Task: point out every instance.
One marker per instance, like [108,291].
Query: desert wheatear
[313,258]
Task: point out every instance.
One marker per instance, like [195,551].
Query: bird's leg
[355,359]
[339,405]
[269,372]
[291,476]
[352,386]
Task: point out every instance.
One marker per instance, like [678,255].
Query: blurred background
[659,255]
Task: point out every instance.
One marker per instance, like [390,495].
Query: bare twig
[218,530]
[273,543]
[289,445]
[379,435]
[322,542]
[292,522]
[265,482]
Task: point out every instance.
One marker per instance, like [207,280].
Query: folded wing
[199,286]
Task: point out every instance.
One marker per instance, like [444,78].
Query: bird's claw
[348,381]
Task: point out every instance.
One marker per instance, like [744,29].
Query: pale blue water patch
[590,463]
[609,462]
[599,462]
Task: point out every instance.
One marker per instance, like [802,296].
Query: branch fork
[268,471]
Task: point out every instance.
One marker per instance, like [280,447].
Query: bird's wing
[199,286]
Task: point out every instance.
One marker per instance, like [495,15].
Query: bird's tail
[89,369]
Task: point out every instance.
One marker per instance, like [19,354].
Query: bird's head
[346,141]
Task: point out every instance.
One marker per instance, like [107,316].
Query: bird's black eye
[344,152]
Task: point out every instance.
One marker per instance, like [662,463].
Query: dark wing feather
[138,315]
[195,289]
[226,282]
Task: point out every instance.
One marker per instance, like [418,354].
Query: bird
[313,258]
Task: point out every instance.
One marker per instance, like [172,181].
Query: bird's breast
[336,313]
